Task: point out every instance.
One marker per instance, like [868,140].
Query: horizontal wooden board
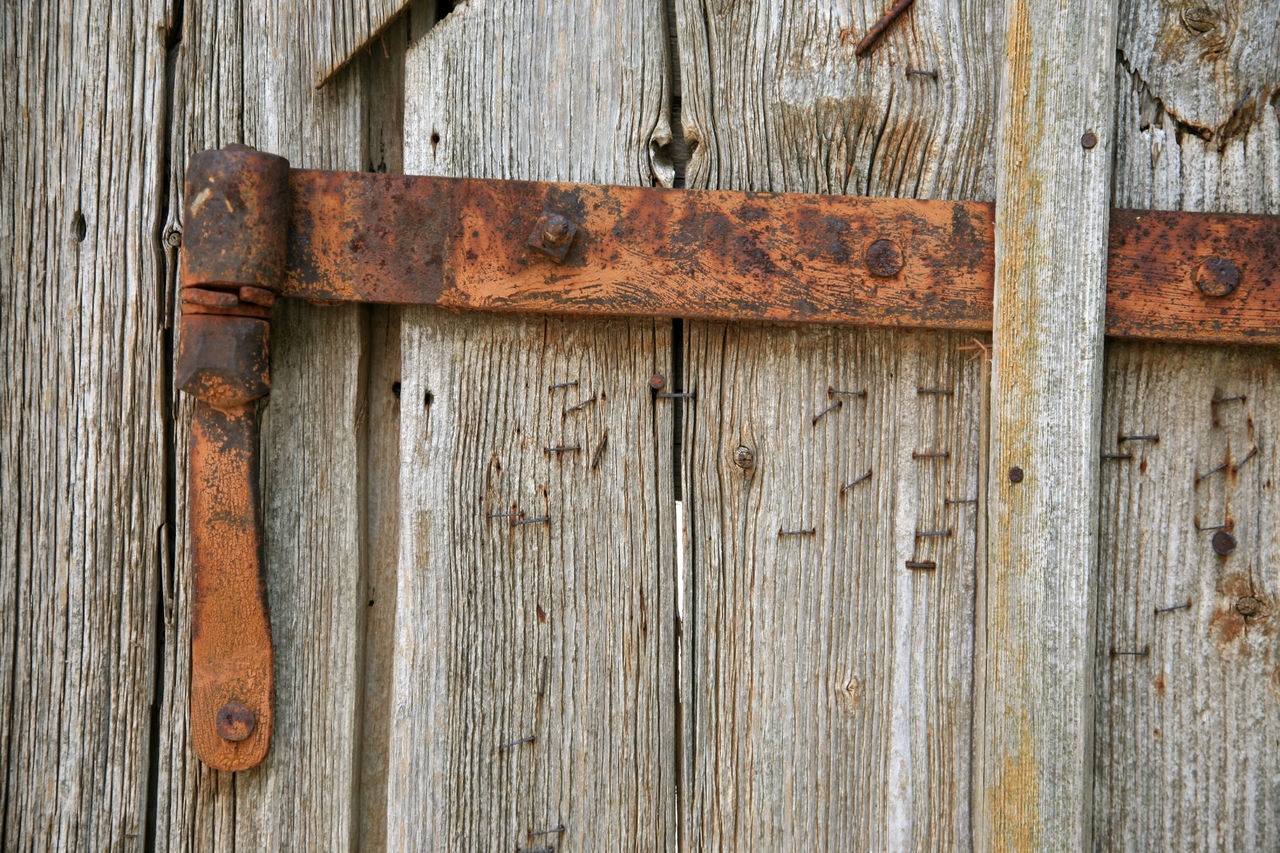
[700,254]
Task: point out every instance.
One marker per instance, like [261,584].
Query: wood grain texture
[339,31]
[828,685]
[1185,754]
[1036,708]
[241,75]
[573,92]
[82,494]
[831,683]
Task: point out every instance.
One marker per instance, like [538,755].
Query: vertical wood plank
[831,682]
[828,685]
[1052,196]
[82,495]
[241,74]
[1185,755]
[533,680]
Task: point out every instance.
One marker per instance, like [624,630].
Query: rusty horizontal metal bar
[466,244]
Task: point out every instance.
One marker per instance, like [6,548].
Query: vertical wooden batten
[1053,173]
[1185,754]
[532,685]
[828,686]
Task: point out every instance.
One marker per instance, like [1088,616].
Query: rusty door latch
[254,230]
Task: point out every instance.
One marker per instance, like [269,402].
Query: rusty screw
[1217,276]
[657,382]
[1089,140]
[1223,543]
[1248,606]
[884,258]
[552,235]
[744,458]
[1015,474]
[235,722]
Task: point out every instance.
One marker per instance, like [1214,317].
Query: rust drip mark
[878,28]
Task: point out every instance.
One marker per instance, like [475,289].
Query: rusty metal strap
[255,229]
[493,245]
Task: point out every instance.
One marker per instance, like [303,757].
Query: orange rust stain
[1013,799]
[1158,686]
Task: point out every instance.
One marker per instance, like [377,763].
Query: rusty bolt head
[1223,543]
[1015,474]
[1089,140]
[657,382]
[884,258]
[1217,276]
[744,458]
[1248,606]
[552,235]
[235,722]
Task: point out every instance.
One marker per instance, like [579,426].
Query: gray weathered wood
[1035,711]
[571,92]
[241,74]
[339,32]
[82,493]
[829,686]
[1185,754]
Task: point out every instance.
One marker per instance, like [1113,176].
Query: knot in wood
[1199,19]
[744,458]
[1248,606]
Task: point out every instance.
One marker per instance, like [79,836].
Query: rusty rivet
[1223,543]
[235,722]
[1248,606]
[657,382]
[1217,276]
[744,458]
[884,258]
[552,235]
[1015,474]
[1089,140]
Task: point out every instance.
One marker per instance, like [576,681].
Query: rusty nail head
[657,382]
[884,258]
[1015,474]
[552,235]
[1217,276]
[235,722]
[744,458]
[1248,606]
[1089,139]
[1223,543]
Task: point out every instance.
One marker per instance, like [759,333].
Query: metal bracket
[255,229]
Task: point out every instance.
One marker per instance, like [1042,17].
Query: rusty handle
[235,228]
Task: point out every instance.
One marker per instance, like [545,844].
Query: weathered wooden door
[826,588]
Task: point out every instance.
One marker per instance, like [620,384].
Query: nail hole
[395,389]
[435,140]
[428,399]
[1015,474]
[78,227]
